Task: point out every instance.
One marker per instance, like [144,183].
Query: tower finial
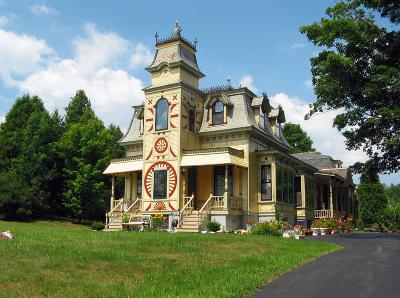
[177,29]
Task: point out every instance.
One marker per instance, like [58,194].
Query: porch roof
[213,156]
[124,165]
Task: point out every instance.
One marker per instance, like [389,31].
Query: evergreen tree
[78,106]
[27,156]
[297,138]
[371,197]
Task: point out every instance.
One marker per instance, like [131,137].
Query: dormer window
[218,112]
[162,114]
[192,118]
[262,119]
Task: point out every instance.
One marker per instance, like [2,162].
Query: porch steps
[190,223]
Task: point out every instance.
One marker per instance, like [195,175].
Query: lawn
[62,259]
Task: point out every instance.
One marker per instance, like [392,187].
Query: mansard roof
[133,134]
[316,159]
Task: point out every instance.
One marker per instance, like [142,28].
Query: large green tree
[297,138]
[371,196]
[28,159]
[357,73]
[86,147]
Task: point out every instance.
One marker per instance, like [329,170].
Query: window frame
[192,120]
[266,197]
[214,114]
[166,126]
[160,197]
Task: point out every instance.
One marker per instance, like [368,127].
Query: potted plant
[316,227]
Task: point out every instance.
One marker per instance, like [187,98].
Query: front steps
[190,223]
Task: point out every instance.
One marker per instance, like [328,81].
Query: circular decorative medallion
[172,177]
[161,145]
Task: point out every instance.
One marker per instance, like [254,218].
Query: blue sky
[53,48]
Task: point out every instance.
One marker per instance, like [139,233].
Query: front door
[192,183]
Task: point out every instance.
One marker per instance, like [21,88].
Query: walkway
[369,266]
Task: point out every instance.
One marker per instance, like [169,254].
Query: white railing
[187,209]
[117,208]
[234,202]
[212,202]
[217,202]
[324,213]
[136,205]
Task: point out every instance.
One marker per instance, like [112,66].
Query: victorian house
[218,154]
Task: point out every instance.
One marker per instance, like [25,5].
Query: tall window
[160,184]
[139,184]
[218,112]
[192,118]
[219,181]
[162,114]
[266,185]
[297,190]
[262,119]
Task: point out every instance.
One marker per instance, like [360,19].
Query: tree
[87,148]
[371,196]
[392,192]
[358,73]
[78,106]
[28,159]
[297,138]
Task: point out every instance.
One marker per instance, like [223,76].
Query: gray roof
[316,159]
[175,54]
[133,133]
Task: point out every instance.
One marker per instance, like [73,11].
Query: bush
[391,219]
[98,226]
[213,226]
[158,222]
[273,228]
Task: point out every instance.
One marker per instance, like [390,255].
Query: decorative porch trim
[213,156]
[124,165]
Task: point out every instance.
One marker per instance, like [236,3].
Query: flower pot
[285,235]
[315,231]
[323,231]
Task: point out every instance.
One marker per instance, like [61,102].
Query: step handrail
[184,208]
[116,206]
[204,206]
[138,199]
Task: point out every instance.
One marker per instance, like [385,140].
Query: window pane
[192,118]
[139,184]
[218,107]
[218,113]
[162,114]
[160,184]
[266,186]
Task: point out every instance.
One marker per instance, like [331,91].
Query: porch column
[112,192]
[330,197]
[240,187]
[226,188]
[184,172]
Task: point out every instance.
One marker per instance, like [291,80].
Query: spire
[177,29]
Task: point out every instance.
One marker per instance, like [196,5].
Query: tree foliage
[297,138]
[357,73]
[392,192]
[49,167]
[371,197]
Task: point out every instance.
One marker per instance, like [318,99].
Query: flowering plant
[158,221]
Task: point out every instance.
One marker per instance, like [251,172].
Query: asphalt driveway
[368,266]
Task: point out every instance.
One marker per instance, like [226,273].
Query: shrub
[213,226]
[319,223]
[98,226]
[330,224]
[391,219]
[158,222]
[273,228]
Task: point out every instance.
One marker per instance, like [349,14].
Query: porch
[212,183]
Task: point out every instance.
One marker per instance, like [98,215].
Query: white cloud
[2,119]
[112,91]
[141,56]
[21,55]
[247,81]
[42,9]
[4,20]
[327,140]
[297,45]
[308,84]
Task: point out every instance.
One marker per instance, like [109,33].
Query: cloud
[111,90]
[141,56]
[297,45]
[42,9]
[327,140]
[5,19]
[21,55]
[247,81]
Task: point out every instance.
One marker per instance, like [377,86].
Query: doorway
[192,184]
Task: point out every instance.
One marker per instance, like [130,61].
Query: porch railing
[115,212]
[187,208]
[135,206]
[327,213]
[234,202]
[212,202]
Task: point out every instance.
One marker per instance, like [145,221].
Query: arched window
[162,114]
[218,112]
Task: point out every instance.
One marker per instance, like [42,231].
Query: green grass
[62,259]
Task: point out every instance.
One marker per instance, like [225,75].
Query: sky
[53,48]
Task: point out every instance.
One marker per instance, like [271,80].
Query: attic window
[218,112]
[162,114]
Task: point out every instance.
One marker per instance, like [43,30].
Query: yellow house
[206,154]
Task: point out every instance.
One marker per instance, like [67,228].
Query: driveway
[368,266]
